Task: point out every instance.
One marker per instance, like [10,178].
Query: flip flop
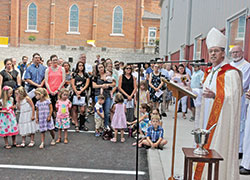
[31,144]
[113,140]
[7,147]
[21,145]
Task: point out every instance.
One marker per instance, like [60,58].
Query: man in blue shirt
[35,73]
[154,135]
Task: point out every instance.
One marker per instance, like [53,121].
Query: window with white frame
[117,20]
[236,28]
[74,19]
[197,47]
[152,36]
[32,17]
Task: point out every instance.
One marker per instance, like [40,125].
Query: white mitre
[216,39]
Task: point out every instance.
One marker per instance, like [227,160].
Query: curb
[155,167]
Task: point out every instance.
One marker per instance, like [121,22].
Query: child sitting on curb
[154,135]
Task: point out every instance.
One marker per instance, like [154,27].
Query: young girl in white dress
[27,124]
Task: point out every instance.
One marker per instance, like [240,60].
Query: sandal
[7,146]
[53,142]
[77,129]
[122,140]
[21,145]
[31,144]
[41,146]
[113,140]
[66,141]
[58,140]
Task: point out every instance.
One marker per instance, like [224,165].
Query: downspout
[188,25]
[19,24]
[136,23]
[167,28]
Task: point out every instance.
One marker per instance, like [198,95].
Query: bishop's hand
[208,93]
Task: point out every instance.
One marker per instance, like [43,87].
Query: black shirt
[9,78]
[80,81]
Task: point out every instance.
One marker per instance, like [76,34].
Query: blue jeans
[106,109]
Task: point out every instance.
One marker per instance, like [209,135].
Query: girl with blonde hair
[43,115]
[27,124]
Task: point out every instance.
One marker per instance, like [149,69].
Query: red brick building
[113,23]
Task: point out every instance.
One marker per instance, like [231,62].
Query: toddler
[99,115]
[119,119]
[63,106]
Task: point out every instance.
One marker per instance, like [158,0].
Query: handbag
[79,101]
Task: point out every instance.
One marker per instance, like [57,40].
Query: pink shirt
[55,78]
[63,108]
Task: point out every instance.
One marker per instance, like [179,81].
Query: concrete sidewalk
[159,162]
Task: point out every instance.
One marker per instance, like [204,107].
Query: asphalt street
[85,157]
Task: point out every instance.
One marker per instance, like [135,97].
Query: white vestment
[246,143]
[244,67]
[226,136]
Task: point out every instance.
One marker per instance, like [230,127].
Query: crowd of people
[42,98]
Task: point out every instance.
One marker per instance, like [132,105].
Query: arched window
[74,18]
[117,20]
[32,17]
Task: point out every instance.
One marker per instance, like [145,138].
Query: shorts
[99,123]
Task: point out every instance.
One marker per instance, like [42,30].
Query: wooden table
[190,157]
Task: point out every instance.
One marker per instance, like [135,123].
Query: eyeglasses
[129,68]
[117,65]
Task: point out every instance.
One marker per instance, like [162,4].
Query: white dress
[26,125]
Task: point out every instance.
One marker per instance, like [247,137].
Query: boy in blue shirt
[154,135]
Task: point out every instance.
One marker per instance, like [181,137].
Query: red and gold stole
[215,111]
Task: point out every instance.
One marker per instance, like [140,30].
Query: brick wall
[4,18]
[91,12]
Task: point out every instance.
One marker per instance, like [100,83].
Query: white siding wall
[163,29]
[213,13]
[177,26]
[205,15]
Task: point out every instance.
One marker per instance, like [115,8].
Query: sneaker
[53,142]
[97,134]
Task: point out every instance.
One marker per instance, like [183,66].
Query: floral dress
[43,113]
[8,123]
[155,81]
[62,118]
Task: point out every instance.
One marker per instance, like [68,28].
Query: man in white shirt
[240,63]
